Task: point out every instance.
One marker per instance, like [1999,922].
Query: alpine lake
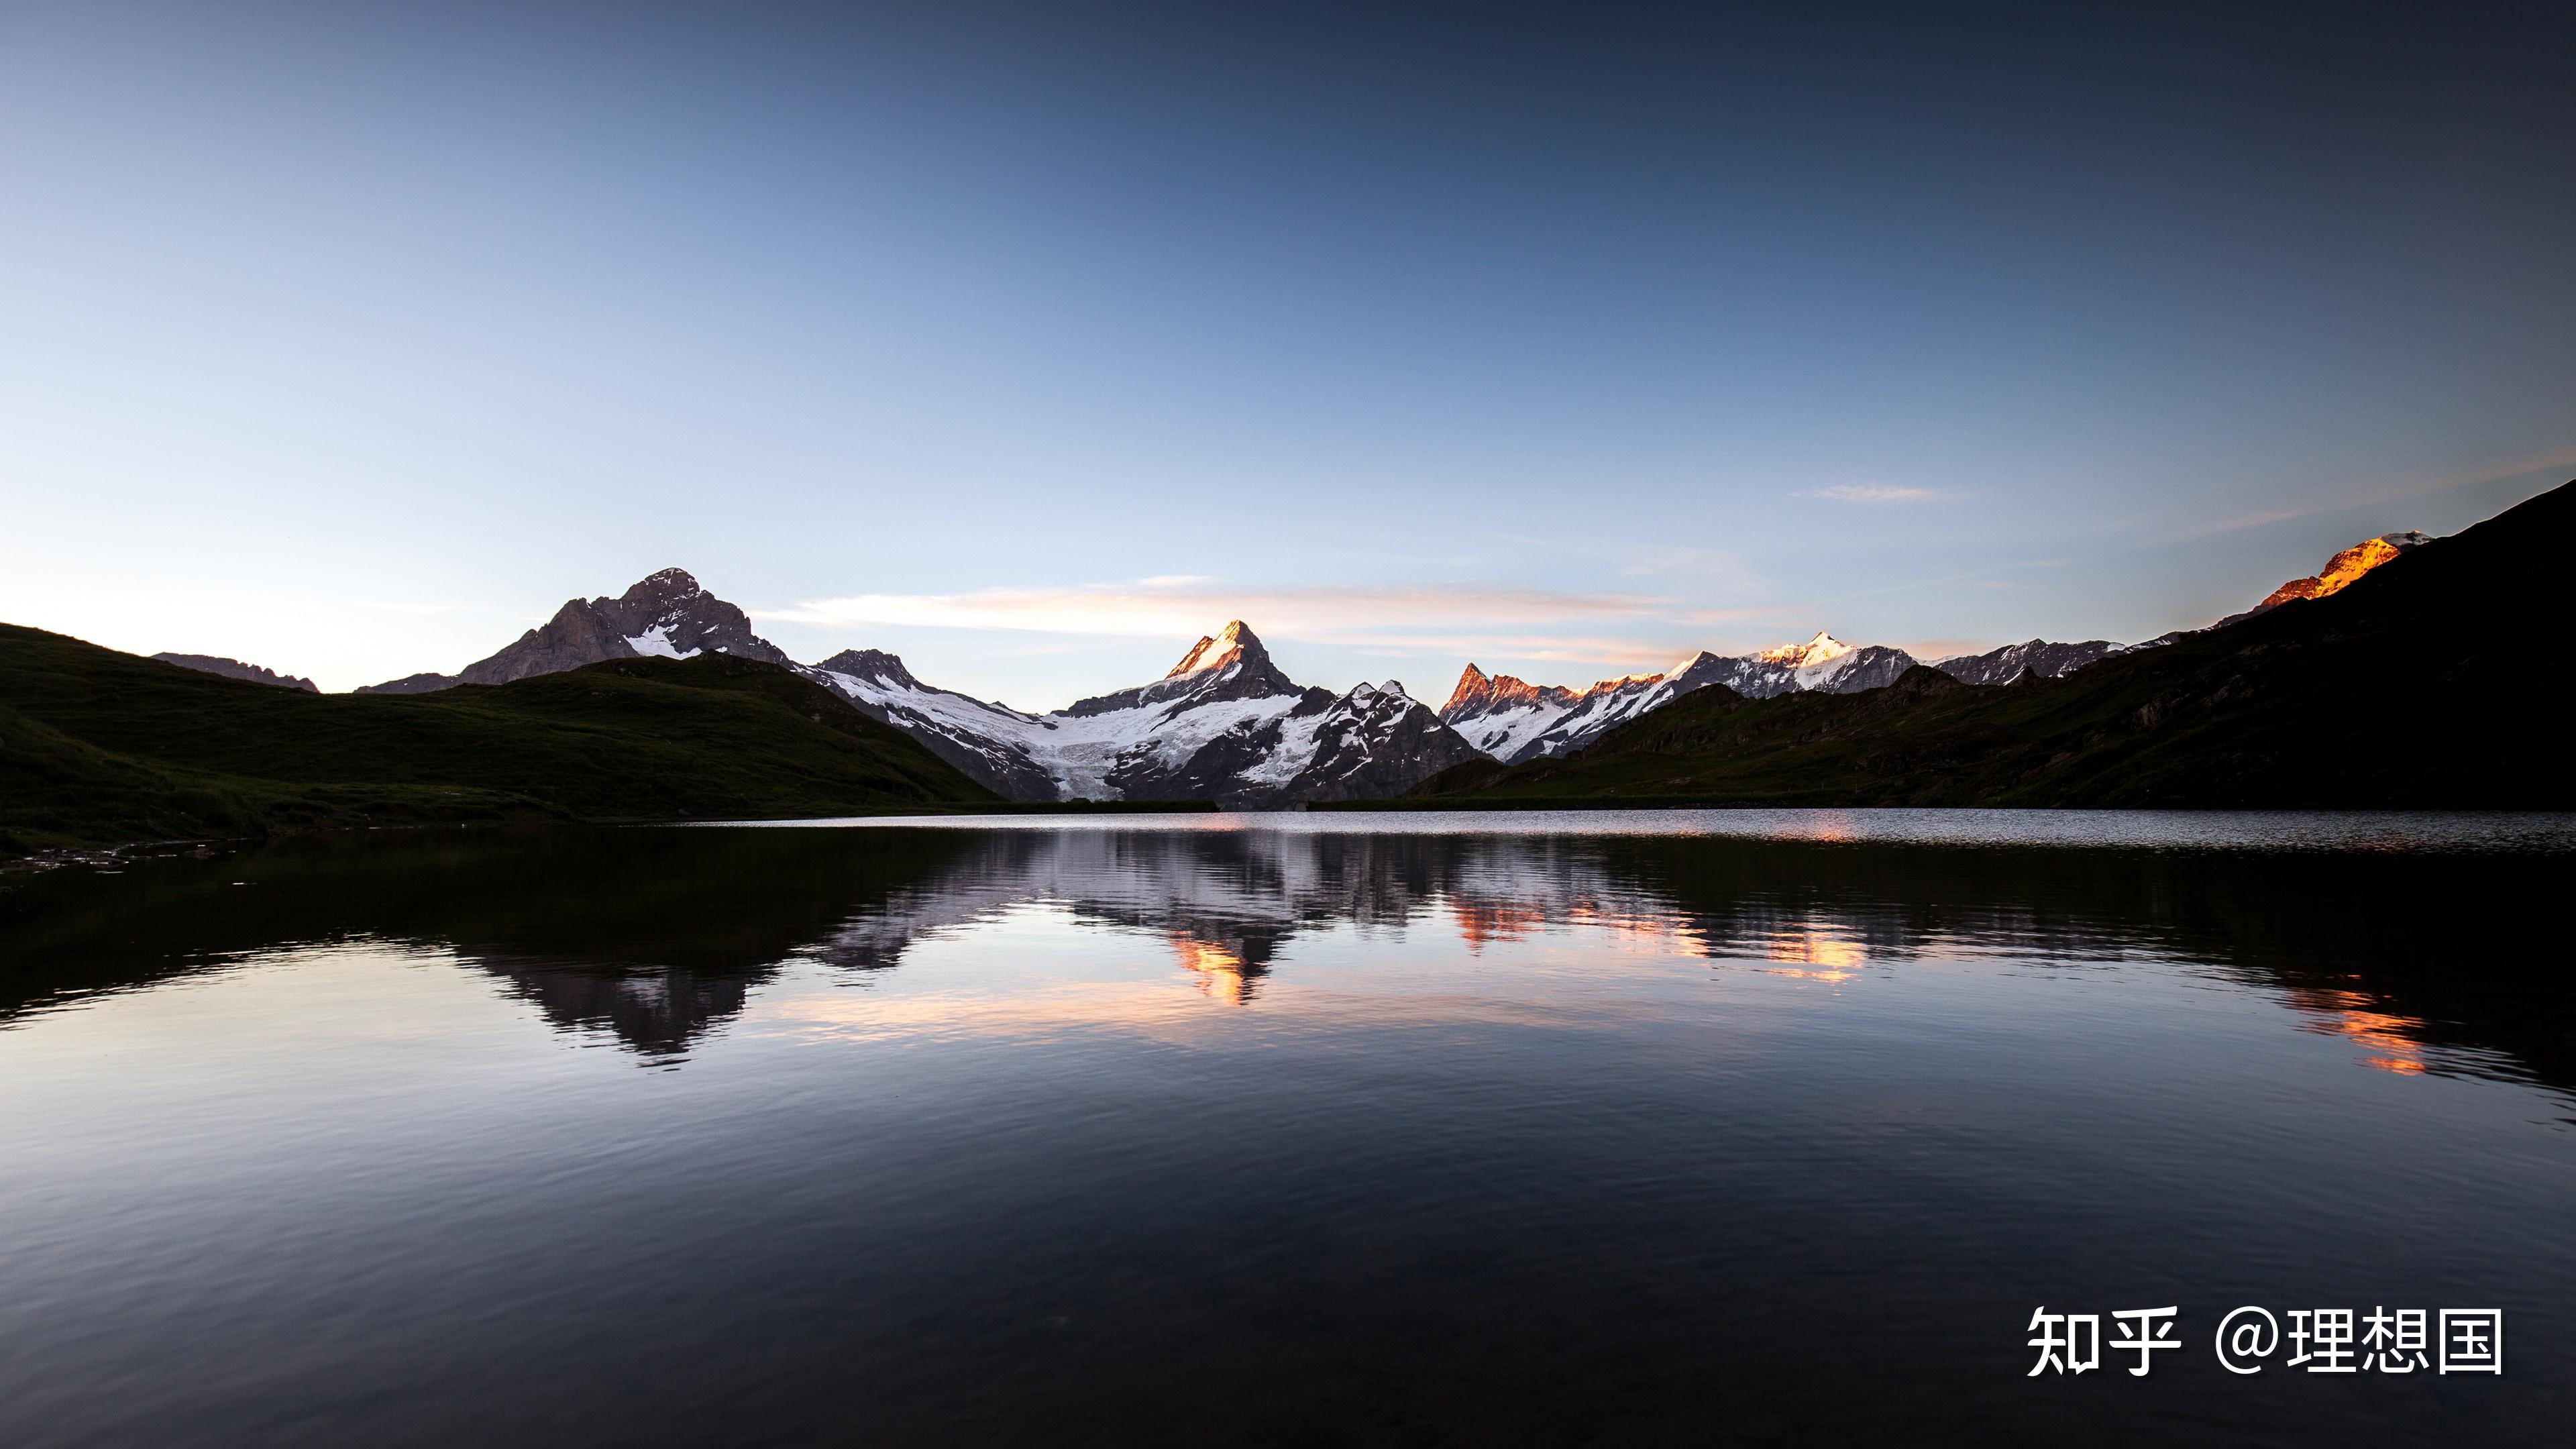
[1670,1127]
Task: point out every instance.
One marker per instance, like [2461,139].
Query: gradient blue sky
[1032,342]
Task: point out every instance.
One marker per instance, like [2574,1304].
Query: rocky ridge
[235,669]
[1225,723]
[2342,570]
[2038,657]
[1513,721]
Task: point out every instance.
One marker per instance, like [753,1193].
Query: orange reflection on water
[1220,968]
[2391,1039]
[1808,946]
[1646,930]
[1482,921]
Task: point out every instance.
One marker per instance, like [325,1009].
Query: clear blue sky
[351,339]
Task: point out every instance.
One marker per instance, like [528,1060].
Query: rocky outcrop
[2039,658]
[235,669]
[2344,568]
[667,614]
[412,684]
[1480,694]
[2341,572]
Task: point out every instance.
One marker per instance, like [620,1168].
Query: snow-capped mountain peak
[1821,649]
[1366,694]
[1225,724]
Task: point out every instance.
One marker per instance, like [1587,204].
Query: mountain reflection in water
[661,936]
[1280,1131]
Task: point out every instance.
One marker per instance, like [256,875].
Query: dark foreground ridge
[2411,688]
[98,746]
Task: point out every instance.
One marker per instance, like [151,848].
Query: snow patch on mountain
[2038,657]
[1223,724]
[1819,650]
[656,641]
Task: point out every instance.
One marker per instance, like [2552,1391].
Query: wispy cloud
[1877,493]
[1168,606]
[1461,620]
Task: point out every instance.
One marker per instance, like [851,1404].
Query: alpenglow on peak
[1815,651]
[1232,643]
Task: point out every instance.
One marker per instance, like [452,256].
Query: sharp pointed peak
[1232,644]
[1472,683]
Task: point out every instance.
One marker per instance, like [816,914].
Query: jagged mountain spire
[1479,692]
[1472,685]
[1228,645]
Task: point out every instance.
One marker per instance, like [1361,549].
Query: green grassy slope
[2431,682]
[100,746]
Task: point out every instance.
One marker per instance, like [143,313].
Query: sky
[1033,342]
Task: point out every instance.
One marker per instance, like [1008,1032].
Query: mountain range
[1225,723]
[2389,680]
[1512,721]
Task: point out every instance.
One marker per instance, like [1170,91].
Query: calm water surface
[1669,1128]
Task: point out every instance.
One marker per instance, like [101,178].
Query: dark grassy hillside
[2428,683]
[100,746]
